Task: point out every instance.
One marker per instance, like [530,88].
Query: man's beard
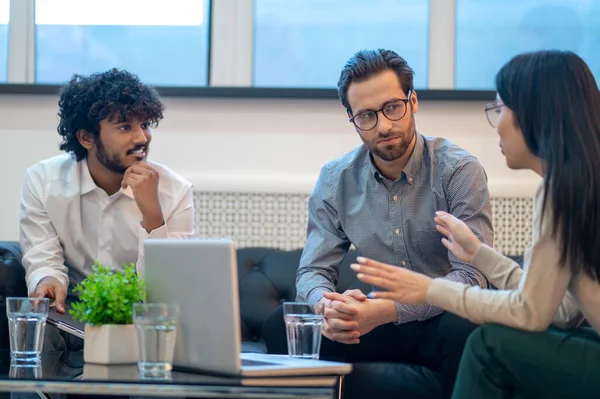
[391,153]
[111,162]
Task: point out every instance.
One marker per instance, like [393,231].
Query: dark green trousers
[503,362]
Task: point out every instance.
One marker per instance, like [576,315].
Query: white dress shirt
[67,222]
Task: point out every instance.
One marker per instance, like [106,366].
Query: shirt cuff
[399,311]
[160,232]
[34,279]
[316,294]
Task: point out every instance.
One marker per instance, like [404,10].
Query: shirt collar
[414,162]
[412,166]
[374,172]
[88,184]
[127,191]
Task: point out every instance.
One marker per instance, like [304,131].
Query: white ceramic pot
[110,344]
[109,372]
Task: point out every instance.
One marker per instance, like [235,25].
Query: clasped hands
[351,315]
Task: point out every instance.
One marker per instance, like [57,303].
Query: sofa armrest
[12,273]
[12,283]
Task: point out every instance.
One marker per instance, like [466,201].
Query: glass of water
[25,373]
[303,324]
[156,325]
[26,325]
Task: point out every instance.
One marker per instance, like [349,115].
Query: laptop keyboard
[250,363]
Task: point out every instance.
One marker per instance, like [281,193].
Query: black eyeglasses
[492,112]
[392,110]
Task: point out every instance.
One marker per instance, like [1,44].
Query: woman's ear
[86,139]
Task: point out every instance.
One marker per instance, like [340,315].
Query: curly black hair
[87,100]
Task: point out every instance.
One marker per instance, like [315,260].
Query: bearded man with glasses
[382,198]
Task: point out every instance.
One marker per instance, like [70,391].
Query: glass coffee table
[65,373]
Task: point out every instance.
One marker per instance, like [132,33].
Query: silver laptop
[66,322]
[200,276]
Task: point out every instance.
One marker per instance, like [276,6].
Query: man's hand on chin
[350,315]
[143,180]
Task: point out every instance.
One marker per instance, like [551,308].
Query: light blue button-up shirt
[393,221]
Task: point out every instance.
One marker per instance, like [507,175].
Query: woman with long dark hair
[548,119]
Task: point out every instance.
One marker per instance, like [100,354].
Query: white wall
[244,145]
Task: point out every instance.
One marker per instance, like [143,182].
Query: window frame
[231,48]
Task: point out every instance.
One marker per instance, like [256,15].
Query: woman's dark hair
[367,63]
[556,103]
[86,100]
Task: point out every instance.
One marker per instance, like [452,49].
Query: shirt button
[403,263]
[397,232]
[395,198]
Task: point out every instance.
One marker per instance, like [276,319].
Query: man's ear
[349,113]
[414,101]
[86,139]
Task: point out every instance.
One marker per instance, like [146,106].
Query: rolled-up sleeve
[326,244]
[42,252]
[180,224]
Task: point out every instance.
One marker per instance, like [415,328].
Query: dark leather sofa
[266,280]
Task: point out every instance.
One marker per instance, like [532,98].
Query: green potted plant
[105,305]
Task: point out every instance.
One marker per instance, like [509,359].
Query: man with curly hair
[103,198]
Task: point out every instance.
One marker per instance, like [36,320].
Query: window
[164,42]
[490,32]
[305,43]
[4,18]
